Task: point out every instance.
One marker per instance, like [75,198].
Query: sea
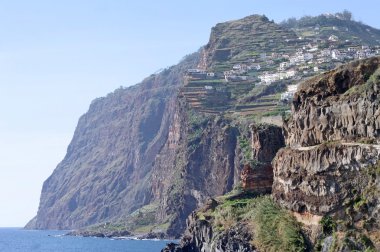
[20,240]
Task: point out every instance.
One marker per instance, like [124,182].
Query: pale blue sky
[56,56]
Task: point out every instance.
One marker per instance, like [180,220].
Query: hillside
[143,158]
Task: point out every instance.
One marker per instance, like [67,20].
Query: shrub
[276,229]
[328,225]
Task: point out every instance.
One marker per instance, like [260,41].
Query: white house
[292,88]
[256,66]
[268,78]
[288,95]
[326,53]
[336,55]
[333,38]
[237,67]
[313,49]
[195,70]
[284,65]
[360,54]
[290,73]
[308,56]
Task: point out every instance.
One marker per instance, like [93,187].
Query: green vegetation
[278,111]
[143,220]
[328,225]
[196,119]
[245,148]
[109,226]
[350,230]
[197,122]
[372,80]
[273,228]
[277,230]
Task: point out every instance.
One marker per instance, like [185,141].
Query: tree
[345,15]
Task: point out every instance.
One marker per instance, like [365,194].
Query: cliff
[226,223]
[105,172]
[143,158]
[329,168]
[202,159]
[326,181]
[338,106]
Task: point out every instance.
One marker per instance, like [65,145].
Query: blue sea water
[16,239]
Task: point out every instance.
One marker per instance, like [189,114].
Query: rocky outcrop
[331,114]
[336,106]
[105,233]
[266,140]
[319,179]
[330,165]
[200,237]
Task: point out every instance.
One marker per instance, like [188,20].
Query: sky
[57,56]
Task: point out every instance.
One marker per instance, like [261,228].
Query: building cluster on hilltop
[310,56]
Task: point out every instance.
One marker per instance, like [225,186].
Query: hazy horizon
[56,58]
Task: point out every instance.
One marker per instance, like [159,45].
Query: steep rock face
[331,164]
[336,106]
[200,237]
[339,108]
[319,179]
[105,172]
[201,157]
[204,157]
[266,140]
[200,234]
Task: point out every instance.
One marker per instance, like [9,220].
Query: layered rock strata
[266,140]
[332,116]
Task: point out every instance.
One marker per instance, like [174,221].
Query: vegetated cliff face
[105,172]
[199,160]
[330,167]
[215,227]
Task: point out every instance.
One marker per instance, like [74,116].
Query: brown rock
[258,179]
[325,162]
[336,106]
